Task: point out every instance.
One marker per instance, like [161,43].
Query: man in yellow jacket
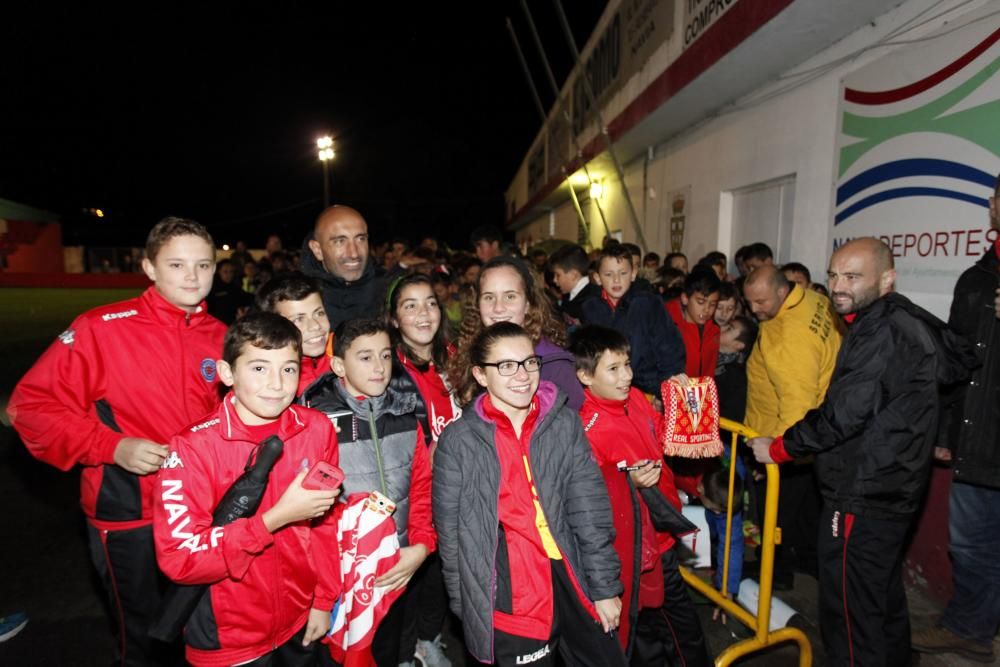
[788,373]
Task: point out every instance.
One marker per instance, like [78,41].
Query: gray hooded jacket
[465,493]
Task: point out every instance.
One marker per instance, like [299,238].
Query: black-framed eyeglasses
[508,367]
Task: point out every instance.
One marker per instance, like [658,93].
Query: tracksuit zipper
[276,579]
[566,564]
[378,449]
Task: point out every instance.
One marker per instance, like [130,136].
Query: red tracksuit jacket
[701,347]
[141,368]
[629,430]
[262,585]
[313,369]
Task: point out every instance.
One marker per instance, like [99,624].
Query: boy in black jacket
[657,348]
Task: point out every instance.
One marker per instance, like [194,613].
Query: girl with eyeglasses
[523,519]
[508,291]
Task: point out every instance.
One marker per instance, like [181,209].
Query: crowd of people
[507,413]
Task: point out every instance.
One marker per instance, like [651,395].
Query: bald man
[336,254]
[790,366]
[873,439]
[788,371]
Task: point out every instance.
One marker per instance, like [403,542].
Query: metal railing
[760,624]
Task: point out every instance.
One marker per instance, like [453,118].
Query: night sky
[211,111]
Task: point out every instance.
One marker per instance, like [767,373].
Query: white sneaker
[431,653]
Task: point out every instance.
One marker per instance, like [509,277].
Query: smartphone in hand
[323,477]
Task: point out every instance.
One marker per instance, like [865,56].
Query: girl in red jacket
[415,316]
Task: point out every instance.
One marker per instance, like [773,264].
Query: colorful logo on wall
[919,152]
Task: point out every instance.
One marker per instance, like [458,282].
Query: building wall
[793,133]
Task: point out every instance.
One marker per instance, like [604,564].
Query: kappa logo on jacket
[66,337]
[204,425]
[172,461]
[107,317]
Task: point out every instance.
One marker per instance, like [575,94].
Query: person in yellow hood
[788,373]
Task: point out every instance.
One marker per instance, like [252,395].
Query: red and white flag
[369,548]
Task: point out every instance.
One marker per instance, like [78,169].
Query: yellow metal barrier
[761,624]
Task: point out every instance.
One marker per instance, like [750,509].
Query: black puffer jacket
[874,434]
[345,300]
[465,492]
[972,426]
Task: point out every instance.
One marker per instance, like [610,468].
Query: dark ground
[47,573]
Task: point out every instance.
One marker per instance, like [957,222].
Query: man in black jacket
[336,254]
[971,435]
[873,438]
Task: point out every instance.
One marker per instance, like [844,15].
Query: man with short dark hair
[872,437]
[971,430]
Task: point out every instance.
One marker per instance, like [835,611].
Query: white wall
[791,132]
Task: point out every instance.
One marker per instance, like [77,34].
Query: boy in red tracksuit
[694,314]
[297,298]
[274,576]
[622,425]
[107,395]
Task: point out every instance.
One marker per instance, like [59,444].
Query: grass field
[31,318]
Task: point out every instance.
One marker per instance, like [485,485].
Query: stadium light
[326,153]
